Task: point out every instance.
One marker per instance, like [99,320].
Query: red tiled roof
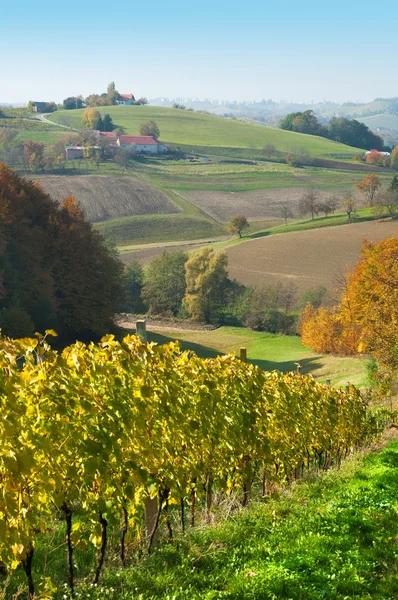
[109,134]
[138,140]
[126,96]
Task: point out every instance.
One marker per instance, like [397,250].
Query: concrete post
[140,328]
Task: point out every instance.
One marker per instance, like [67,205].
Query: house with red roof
[142,143]
[125,99]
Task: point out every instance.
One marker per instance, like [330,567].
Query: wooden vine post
[243,355]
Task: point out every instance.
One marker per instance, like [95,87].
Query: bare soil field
[104,197]
[255,205]
[305,258]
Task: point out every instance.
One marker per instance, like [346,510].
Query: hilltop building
[125,99]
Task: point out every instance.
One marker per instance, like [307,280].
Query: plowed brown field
[255,205]
[305,258]
[105,198]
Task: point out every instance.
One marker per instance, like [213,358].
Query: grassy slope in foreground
[332,538]
[186,127]
[268,351]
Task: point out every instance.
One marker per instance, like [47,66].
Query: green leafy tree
[133,285]
[164,286]
[237,224]
[149,128]
[206,280]
[313,296]
[107,123]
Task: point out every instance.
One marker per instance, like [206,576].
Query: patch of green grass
[45,135]
[148,229]
[268,351]
[193,129]
[184,176]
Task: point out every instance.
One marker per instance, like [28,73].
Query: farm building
[379,152]
[142,143]
[73,152]
[125,99]
[43,107]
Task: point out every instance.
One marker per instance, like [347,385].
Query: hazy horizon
[291,52]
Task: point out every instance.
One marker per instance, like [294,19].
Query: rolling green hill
[190,129]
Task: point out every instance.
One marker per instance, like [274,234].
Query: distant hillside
[380,115]
[189,129]
[103,198]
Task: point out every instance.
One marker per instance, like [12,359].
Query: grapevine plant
[119,430]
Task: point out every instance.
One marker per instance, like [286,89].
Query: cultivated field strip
[305,258]
[103,198]
[255,205]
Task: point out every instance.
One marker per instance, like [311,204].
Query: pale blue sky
[286,50]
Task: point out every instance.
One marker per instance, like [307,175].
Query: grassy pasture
[159,228]
[184,176]
[190,128]
[267,350]
[103,198]
[305,258]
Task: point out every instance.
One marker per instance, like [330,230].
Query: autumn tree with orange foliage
[366,320]
[55,272]
[368,187]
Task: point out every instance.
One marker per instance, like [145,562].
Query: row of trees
[92,119]
[382,200]
[340,129]
[108,98]
[198,287]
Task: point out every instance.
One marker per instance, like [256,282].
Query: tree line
[55,270]
[108,98]
[197,287]
[339,129]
